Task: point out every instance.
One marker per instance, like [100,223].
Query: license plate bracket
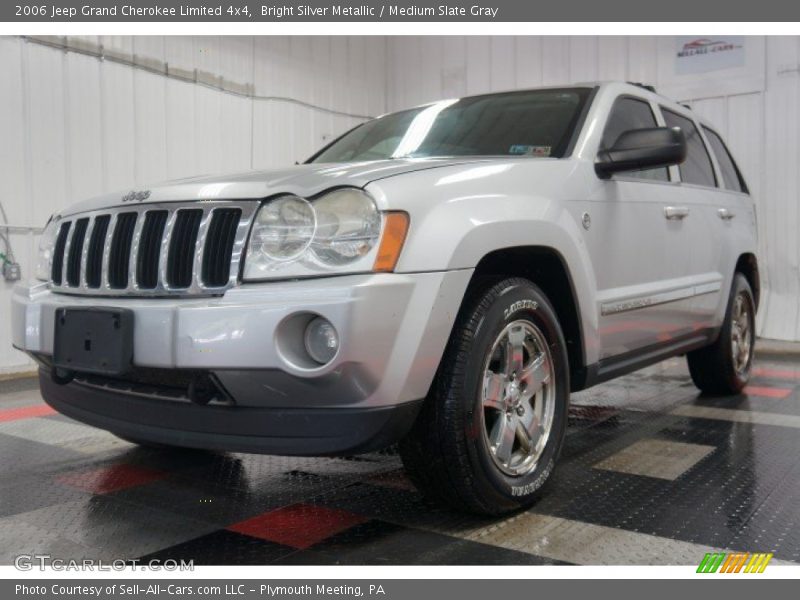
[93,340]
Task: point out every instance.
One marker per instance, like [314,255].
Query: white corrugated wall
[758,113]
[72,125]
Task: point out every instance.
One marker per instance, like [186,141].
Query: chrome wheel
[741,334]
[518,398]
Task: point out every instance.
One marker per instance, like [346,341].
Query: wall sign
[695,54]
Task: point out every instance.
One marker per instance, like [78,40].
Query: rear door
[699,193]
[729,216]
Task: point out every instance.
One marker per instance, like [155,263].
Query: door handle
[676,213]
[725,214]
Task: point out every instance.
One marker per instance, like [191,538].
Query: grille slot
[76,252]
[180,261]
[94,258]
[158,249]
[119,257]
[219,246]
[58,253]
[150,249]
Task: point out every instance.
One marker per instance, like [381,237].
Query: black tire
[713,368]
[447,454]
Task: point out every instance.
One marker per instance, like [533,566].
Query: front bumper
[260,430]
[392,329]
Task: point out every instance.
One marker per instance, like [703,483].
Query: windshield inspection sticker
[526,150]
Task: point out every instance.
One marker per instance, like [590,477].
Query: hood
[302,180]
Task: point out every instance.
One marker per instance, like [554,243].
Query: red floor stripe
[26,412]
[776,373]
[299,525]
[767,392]
[110,479]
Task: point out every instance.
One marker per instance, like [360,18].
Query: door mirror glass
[640,149]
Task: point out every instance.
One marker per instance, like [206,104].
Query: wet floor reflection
[722,482]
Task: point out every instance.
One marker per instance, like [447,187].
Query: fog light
[321,340]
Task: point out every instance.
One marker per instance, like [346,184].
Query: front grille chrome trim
[134,257]
[65,257]
[87,241]
[200,246]
[165,243]
[247,208]
[105,287]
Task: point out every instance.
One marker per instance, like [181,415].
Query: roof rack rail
[644,86]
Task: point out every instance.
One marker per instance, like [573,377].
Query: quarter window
[731,176]
[697,167]
[630,113]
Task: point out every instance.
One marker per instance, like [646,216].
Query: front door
[639,246]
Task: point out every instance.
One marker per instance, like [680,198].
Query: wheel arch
[547,268]
[747,265]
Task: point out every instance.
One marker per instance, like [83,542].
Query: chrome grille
[150,249]
[94,259]
[58,251]
[76,252]
[217,257]
[119,258]
[164,249]
[181,247]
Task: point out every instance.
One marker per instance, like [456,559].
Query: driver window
[630,113]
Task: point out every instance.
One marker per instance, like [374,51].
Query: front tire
[492,427]
[723,368]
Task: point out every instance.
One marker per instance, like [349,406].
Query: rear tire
[490,432]
[723,368]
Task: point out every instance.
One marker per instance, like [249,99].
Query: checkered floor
[651,473]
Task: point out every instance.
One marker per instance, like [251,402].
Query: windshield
[534,123]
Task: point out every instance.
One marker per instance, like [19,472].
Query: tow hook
[61,376]
[202,390]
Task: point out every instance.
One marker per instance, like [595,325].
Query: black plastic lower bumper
[285,431]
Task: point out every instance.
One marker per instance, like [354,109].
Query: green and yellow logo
[736,562]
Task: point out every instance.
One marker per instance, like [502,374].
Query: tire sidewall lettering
[519,305]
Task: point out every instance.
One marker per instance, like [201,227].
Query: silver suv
[442,277]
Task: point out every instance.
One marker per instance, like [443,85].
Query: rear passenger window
[697,167]
[731,176]
[630,113]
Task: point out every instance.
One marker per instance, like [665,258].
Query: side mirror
[639,149]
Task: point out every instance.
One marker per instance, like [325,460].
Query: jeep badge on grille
[136,196]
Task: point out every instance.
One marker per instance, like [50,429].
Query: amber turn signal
[394,234]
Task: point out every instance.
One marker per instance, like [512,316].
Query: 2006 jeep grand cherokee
[441,277]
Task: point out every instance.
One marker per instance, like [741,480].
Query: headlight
[283,230]
[44,264]
[292,237]
[348,226]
